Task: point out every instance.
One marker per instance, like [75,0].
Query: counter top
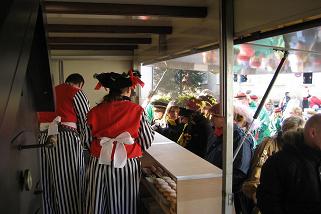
[181,163]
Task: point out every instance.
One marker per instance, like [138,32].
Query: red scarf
[218,132]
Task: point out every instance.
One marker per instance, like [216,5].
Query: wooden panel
[92,47]
[124,9]
[73,40]
[199,196]
[108,29]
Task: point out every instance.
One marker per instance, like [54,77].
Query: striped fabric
[146,133]
[112,190]
[115,190]
[81,106]
[62,174]
[62,167]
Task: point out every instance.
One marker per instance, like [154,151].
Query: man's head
[76,80]
[312,131]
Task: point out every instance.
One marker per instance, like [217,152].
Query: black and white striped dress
[62,167]
[115,190]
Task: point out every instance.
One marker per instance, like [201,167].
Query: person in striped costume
[120,132]
[62,165]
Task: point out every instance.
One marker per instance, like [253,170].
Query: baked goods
[153,168]
[164,184]
[147,171]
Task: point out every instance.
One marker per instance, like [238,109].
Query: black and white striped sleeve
[146,133]
[81,106]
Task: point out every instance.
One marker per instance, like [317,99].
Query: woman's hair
[171,105]
[243,115]
[114,95]
[297,111]
[292,123]
[290,127]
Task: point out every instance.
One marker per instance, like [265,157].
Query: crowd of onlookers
[196,124]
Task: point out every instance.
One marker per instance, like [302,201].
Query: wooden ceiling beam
[92,47]
[61,28]
[91,40]
[124,9]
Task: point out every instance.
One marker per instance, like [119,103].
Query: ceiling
[112,28]
[150,30]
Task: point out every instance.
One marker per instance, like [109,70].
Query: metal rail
[258,110]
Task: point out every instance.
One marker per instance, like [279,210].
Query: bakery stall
[177,181]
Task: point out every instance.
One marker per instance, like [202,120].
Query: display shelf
[198,183]
[158,197]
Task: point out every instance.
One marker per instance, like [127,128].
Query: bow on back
[120,155]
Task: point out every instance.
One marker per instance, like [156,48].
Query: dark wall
[24,65]
[14,198]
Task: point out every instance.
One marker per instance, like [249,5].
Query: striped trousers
[62,174]
[112,190]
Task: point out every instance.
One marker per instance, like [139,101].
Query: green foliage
[183,98]
[177,82]
[163,98]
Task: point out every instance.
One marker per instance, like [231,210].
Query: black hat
[183,112]
[113,80]
[159,104]
[116,81]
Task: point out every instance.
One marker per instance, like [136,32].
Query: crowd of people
[197,125]
[280,157]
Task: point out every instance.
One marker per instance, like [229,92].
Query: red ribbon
[98,86]
[135,80]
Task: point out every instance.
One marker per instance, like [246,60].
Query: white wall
[54,67]
[147,78]
[87,68]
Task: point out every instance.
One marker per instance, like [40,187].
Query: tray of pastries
[162,187]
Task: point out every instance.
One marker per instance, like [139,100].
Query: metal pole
[226,91]
[160,80]
[259,108]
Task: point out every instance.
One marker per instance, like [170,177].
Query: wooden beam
[91,40]
[124,9]
[59,28]
[92,47]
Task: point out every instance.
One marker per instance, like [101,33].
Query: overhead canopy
[150,30]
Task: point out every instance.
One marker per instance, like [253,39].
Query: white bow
[53,126]
[120,155]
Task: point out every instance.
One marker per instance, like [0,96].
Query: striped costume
[62,167]
[110,189]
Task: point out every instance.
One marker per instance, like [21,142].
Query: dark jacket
[290,181]
[201,134]
[172,132]
[241,165]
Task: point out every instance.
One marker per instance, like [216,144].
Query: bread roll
[147,171]
[160,169]
[153,168]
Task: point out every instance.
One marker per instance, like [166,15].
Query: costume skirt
[112,190]
[62,174]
